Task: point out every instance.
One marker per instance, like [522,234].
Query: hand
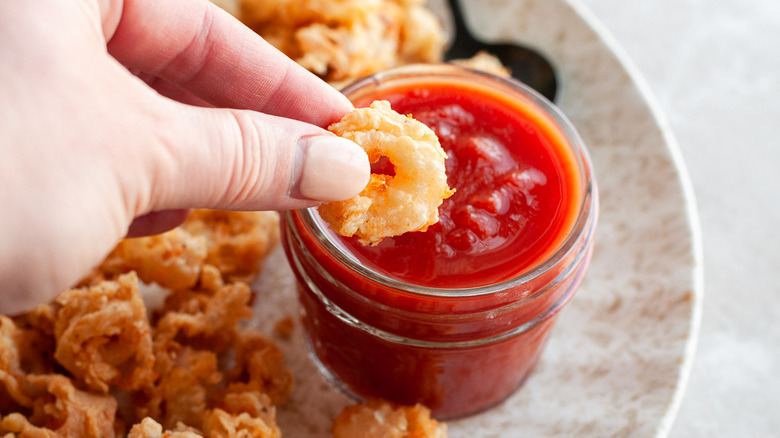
[110,123]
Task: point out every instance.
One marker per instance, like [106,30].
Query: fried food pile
[395,204]
[340,40]
[103,360]
[97,362]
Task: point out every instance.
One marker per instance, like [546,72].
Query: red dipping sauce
[454,317]
[517,189]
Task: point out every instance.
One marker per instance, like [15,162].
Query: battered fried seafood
[258,368]
[205,318]
[14,387]
[103,339]
[391,204]
[148,428]
[235,242]
[180,394]
[173,259]
[247,415]
[380,419]
[35,332]
[484,61]
[194,328]
[340,40]
[103,335]
[59,409]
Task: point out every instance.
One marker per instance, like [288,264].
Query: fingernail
[331,169]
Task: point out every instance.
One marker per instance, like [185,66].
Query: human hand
[92,152]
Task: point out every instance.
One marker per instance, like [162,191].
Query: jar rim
[583,226]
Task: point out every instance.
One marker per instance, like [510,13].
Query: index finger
[199,47]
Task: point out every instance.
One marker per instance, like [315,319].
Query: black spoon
[525,64]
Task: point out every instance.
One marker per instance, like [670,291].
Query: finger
[157,222]
[199,47]
[245,160]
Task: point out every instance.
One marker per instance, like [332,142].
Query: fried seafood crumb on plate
[391,205]
[381,419]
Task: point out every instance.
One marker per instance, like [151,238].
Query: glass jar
[457,350]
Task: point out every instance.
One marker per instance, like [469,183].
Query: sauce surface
[517,190]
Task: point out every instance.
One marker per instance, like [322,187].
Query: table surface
[714,66]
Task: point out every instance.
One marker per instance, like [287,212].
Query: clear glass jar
[458,350]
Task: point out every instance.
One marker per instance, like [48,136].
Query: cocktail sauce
[454,317]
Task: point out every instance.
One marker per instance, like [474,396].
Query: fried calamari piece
[14,388]
[193,327]
[341,40]
[40,319]
[186,390]
[381,419]
[172,259]
[484,61]
[220,424]
[16,425]
[103,335]
[397,204]
[36,334]
[422,34]
[181,392]
[61,410]
[236,241]
[189,386]
[254,403]
[205,319]
[246,414]
[343,53]
[258,367]
[148,428]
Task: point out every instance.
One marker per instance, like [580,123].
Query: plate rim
[688,193]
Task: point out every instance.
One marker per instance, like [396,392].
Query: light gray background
[714,66]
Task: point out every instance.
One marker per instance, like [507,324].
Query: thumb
[245,160]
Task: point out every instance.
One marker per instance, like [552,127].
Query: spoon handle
[463,45]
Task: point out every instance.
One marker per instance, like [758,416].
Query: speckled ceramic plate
[617,362]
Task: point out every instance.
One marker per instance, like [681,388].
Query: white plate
[617,362]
